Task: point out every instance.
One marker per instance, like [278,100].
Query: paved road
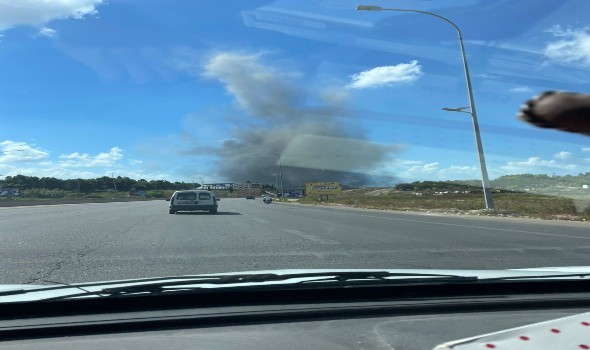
[89,242]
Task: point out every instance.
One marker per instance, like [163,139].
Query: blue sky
[184,89]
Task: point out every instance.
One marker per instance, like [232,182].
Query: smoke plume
[283,119]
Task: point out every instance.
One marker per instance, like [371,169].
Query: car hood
[10,292]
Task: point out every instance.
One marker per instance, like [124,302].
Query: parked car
[250,197]
[193,200]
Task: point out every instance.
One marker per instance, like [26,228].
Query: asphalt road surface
[93,242]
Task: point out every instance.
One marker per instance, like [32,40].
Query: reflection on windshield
[385,139]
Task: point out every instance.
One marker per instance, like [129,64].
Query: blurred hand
[565,111]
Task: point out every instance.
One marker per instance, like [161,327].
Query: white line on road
[459,225]
[311,237]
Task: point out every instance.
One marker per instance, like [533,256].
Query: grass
[506,204]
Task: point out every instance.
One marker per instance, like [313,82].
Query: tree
[87,185]
[51,183]
[124,183]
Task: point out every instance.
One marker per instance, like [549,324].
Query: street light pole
[280,175]
[280,171]
[114,183]
[487,193]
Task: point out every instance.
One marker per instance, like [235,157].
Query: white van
[192,200]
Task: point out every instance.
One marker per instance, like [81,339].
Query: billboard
[323,188]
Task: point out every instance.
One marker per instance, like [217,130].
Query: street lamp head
[458,109]
[368,8]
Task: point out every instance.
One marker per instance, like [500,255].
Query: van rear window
[204,196]
[186,196]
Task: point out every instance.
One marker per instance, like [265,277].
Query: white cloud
[423,169]
[403,73]
[417,170]
[573,46]
[407,162]
[456,172]
[26,159]
[50,169]
[406,169]
[38,13]
[12,151]
[48,32]
[586,149]
[563,155]
[86,160]
[521,89]
[487,76]
[536,165]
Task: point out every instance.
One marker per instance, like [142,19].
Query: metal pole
[485,181]
[280,175]
[114,184]
[280,172]
[487,193]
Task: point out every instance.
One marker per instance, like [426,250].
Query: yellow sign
[323,188]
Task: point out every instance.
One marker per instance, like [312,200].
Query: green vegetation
[99,184]
[527,195]
[43,193]
[521,182]
[562,186]
[507,204]
[32,187]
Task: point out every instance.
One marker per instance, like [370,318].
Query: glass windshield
[186,196]
[387,137]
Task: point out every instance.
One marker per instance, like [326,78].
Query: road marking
[311,237]
[459,225]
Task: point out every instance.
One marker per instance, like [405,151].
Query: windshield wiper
[539,277]
[211,283]
[338,278]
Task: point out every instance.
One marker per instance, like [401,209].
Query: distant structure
[236,186]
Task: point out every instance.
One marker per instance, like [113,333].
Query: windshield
[386,136]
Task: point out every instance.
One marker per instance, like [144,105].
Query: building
[236,186]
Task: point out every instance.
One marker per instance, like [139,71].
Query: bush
[156,194]
[42,193]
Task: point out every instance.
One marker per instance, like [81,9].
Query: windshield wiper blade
[250,280]
[271,280]
[211,283]
[13,292]
[539,277]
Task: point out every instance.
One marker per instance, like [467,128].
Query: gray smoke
[313,145]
